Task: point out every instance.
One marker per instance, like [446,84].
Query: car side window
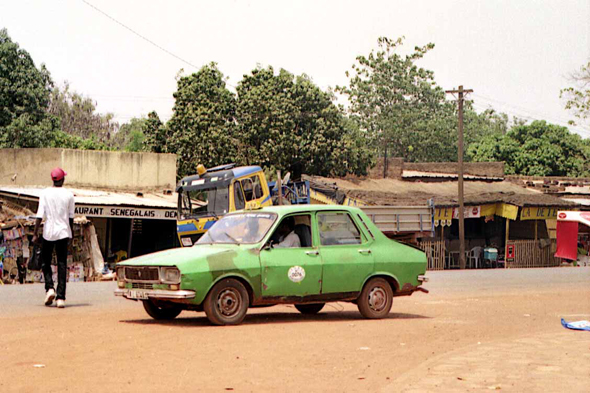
[238,196]
[257,187]
[337,228]
[248,187]
[293,231]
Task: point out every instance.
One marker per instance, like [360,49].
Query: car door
[345,250]
[292,271]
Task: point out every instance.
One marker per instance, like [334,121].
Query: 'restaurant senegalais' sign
[125,212]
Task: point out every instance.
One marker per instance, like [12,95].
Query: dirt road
[475,331]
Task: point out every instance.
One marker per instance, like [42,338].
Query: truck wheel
[310,309]
[376,299]
[161,313]
[227,303]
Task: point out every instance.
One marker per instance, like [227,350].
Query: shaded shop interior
[126,224]
[518,231]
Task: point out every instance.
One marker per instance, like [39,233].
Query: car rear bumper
[142,294]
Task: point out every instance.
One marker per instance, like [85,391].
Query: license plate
[141,295]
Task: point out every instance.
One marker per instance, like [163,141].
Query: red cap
[58,174]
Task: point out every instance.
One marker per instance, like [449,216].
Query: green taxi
[306,255]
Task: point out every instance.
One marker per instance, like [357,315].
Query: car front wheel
[376,299]
[161,313]
[310,309]
[227,303]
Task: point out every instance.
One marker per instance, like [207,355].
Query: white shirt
[291,240]
[56,206]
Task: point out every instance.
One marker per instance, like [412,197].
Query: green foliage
[404,111]
[154,133]
[24,97]
[64,140]
[202,129]
[578,98]
[290,124]
[538,149]
[77,115]
[130,136]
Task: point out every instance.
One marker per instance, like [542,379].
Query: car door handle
[315,252]
[365,251]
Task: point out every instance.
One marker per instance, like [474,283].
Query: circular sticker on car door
[296,274]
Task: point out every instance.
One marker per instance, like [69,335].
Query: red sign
[510,252]
[562,215]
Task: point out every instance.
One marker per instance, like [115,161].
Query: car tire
[227,303]
[310,309]
[376,299]
[161,313]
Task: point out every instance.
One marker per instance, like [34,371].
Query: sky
[515,54]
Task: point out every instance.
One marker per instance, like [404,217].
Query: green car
[304,255]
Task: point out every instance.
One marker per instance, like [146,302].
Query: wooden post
[536,229]
[506,242]
[130,239]
[280,187]
[461,92]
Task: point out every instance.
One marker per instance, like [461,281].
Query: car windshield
[217,202]
[242,228]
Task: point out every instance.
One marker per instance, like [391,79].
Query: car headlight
[120,273]
[170,275]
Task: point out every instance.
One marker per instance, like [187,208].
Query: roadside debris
[578,325]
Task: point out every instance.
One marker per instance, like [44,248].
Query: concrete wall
[88,168]
[395,167]
[493,169]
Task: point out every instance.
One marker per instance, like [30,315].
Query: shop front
[126,224]
[499,234]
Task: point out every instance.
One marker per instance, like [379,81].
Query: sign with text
[538,213]
[126,212]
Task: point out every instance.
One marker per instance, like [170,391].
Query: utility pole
[460,93]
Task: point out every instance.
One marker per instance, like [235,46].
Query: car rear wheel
[161,313]
[227,303]
[376,299]
[310,309]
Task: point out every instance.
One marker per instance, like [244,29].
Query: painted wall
[88,168]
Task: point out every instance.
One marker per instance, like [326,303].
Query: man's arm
[40,215]
[36,231]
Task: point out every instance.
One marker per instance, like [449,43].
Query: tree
[24,97]
[288,123]
[578,98]
[154,132]
[538,149]
[392,97]
[202,129]
[78,115]
[130,136]
[404,111]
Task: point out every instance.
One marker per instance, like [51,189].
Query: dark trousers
[61,249]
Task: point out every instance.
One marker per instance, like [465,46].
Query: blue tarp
[579,325]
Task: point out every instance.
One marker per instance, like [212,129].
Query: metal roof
[100,197]
[246,170]
[443,175]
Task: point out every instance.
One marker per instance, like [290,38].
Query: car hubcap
[228,302]
[377,299]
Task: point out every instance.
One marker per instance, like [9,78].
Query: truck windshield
[242,228]
[216,202]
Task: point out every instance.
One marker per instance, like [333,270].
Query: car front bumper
[144,294]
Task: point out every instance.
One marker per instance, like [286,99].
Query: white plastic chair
[474,256]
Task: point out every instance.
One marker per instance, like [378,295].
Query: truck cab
[211,193]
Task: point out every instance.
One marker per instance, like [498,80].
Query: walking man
[56,206]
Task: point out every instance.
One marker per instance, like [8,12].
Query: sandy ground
[475,331]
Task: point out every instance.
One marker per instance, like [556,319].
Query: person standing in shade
[56,206]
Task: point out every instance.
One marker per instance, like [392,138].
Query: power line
[139,35]
[527,114]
